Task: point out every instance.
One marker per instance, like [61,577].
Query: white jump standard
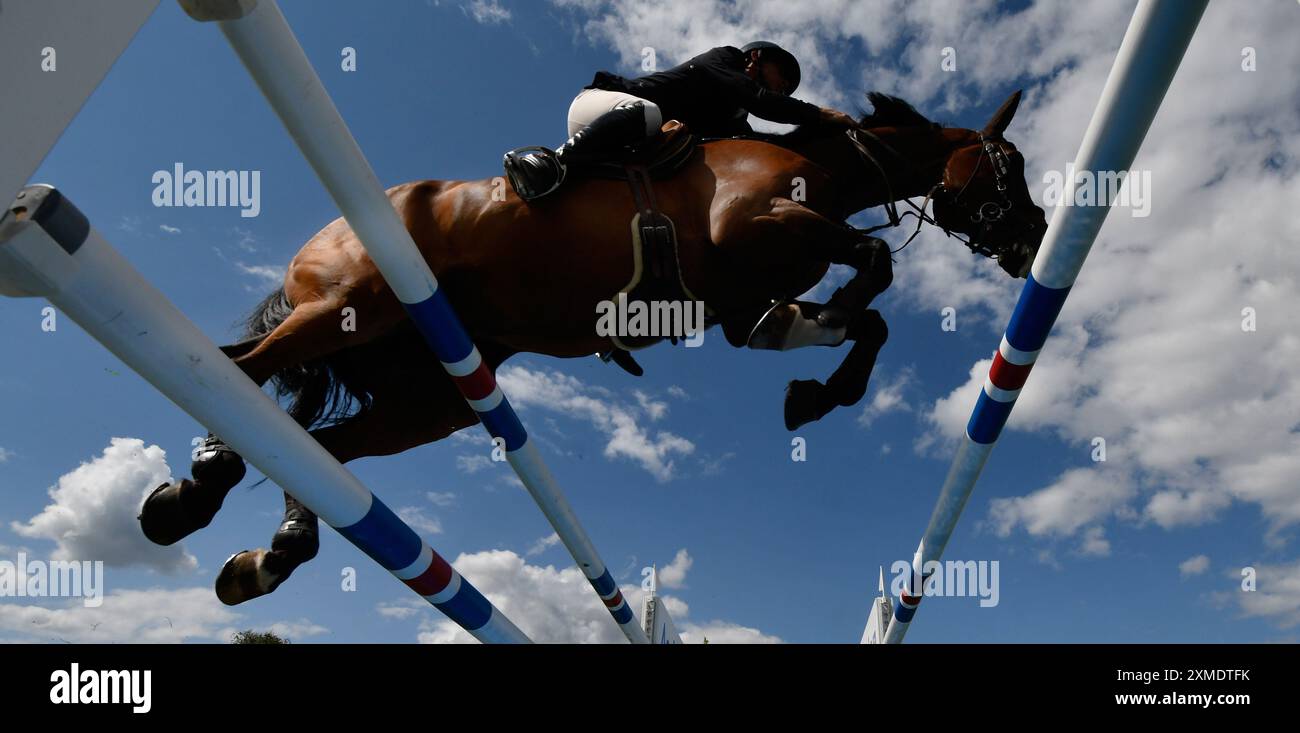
[1148,57]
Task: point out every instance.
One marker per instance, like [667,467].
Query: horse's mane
[886,111]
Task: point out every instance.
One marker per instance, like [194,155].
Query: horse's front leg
[845,317]
[796,324]
[788,224]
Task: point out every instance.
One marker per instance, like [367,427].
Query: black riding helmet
[774,53]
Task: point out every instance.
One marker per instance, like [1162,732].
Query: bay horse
[758,220]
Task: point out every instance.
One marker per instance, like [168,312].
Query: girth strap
[661,277]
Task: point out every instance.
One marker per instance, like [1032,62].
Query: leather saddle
[654,240]
[661,155]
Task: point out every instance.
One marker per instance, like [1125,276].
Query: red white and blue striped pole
[1148,57]
[259,34]
[49,249]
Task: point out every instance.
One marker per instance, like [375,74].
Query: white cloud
[402,609]
[721,632]
[419,521]
[680,29]
[441,498]
[1194,566]
[129,224]
[268,275]
[558,605]
[473,463]
[1094,542]
[151,616]
[488,12]
[714,465]
[886,395]
[246,240]
[654,409]
[548,604]
[93,509]
[1081,498]
[673,575]
[297,630]
[1276,596]
[544,544]
[565,394]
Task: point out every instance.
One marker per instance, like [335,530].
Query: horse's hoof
[170,513]
[801,403]
[247,575]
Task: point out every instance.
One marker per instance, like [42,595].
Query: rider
[712,94]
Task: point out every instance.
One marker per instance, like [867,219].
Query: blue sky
[689,467]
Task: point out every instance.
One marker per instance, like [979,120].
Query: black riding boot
[620,126]
[536,172]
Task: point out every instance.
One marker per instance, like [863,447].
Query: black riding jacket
[711,94]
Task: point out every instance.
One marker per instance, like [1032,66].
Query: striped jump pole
[1148,57]
[48,249]
[260,36]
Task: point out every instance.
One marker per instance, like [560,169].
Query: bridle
[990,211]
[986,214]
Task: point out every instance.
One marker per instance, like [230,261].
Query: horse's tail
[317,391]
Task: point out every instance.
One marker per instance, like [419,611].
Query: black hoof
[803,403]
[174,511]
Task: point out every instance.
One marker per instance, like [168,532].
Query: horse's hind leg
[412,403]
[304,332]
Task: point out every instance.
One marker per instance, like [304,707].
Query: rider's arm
[750,94]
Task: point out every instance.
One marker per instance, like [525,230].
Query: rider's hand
[835,117]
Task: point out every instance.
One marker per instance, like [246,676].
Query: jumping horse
[755,221]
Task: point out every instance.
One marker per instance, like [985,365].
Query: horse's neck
[912,169]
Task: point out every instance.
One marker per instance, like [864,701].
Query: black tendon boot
[298,536]
[173,511]
[808,400]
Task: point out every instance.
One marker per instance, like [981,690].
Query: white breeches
[593,103]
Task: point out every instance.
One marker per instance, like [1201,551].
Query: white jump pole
[260,36]
[1148,57]
[48,249]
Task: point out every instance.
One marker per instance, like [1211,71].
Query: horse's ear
[998,123]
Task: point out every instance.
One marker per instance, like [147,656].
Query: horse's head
[983,195]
